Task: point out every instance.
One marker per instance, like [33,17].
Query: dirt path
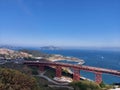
[50,80]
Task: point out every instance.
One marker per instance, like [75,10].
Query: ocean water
[97,58]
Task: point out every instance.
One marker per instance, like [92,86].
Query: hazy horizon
[62,47]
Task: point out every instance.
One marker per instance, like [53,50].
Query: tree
[15,80]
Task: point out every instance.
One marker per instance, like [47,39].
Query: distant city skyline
[72,23]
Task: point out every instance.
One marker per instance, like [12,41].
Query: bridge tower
[76,74]
[58,71]
[41,68]
[98,77]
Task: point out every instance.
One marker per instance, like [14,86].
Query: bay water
[98,58]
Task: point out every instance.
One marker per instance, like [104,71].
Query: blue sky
[88,23]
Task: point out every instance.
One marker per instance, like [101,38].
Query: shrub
[85,85]
[102,85]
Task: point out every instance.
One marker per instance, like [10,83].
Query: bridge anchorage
[76,69]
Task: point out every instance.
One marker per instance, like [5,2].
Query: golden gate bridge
[76,69]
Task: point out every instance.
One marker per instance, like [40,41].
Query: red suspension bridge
[76,69]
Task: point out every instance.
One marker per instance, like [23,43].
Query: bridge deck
[81,67]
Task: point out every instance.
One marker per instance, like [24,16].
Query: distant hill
[12,54]
[50,48]
[11,47]
[35,53]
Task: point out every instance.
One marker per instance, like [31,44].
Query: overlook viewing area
[76,69]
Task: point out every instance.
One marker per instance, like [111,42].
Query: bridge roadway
[76,75]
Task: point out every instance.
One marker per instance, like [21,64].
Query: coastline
[57,57]
[61,58]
